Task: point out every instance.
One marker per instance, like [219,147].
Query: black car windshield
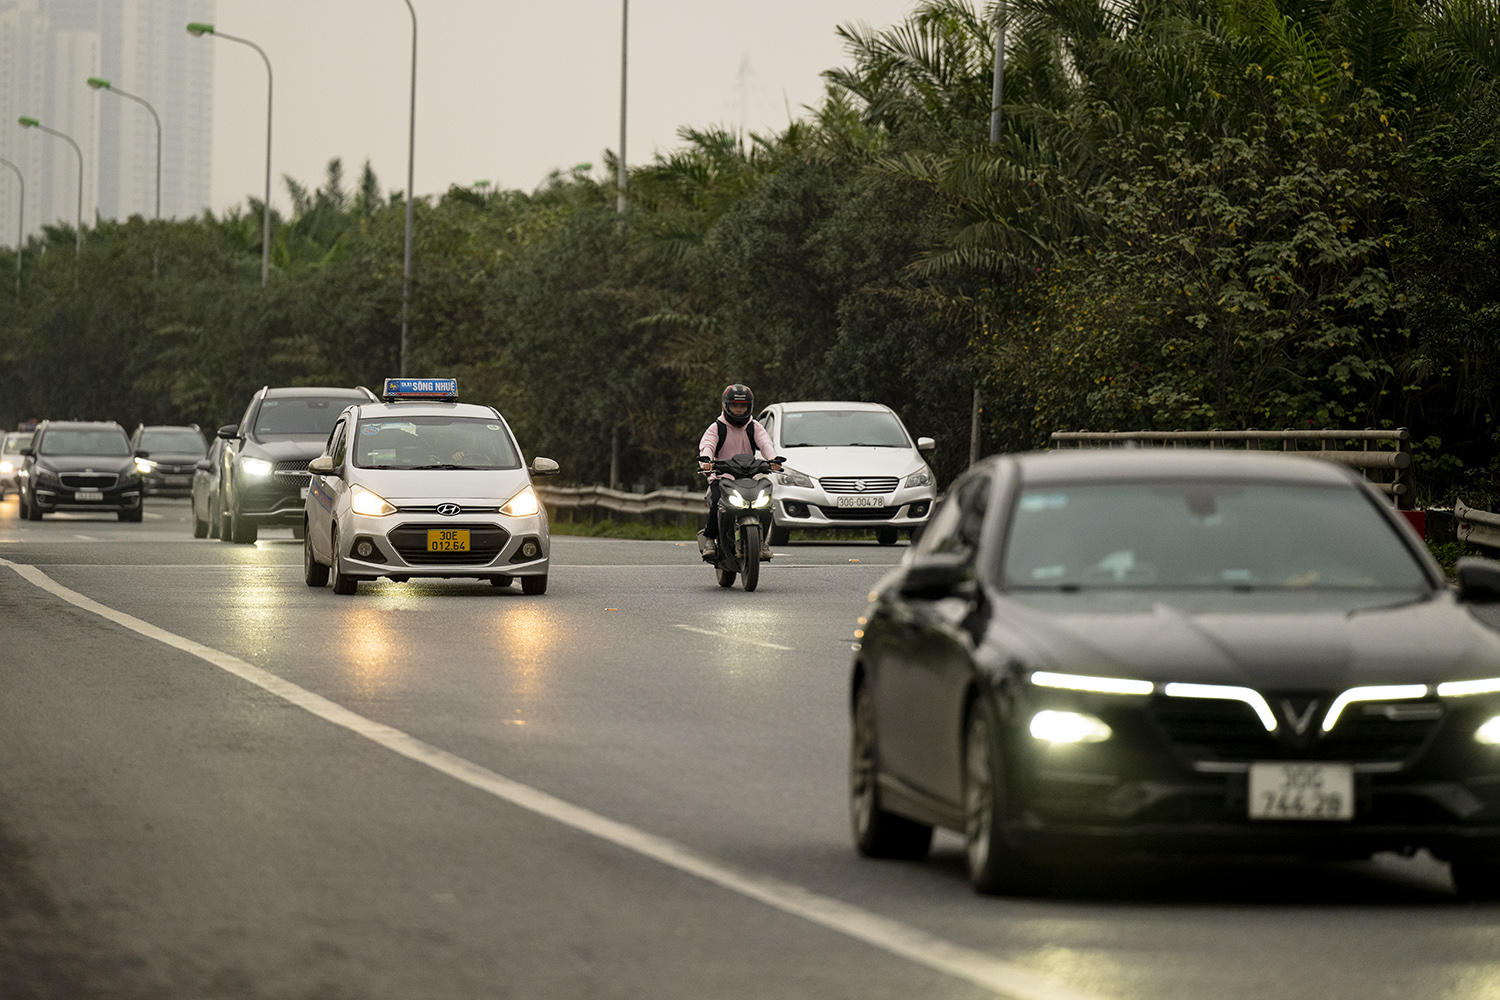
[434,442]
[1204,534]
[173,441]
[104,442]
[842,429]
[289,416]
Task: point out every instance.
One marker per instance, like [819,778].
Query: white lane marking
[918,946]
[87,538]
[735,638]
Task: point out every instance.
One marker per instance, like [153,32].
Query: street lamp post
[620,177]
[198,29]
[996,93]
[78,241]
[411,168]
[99,83]
[20,224]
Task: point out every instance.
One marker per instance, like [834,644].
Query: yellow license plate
[448,540]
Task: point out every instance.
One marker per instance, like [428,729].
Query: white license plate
[85,495]
[1301,791]
[860,502]
[304,492]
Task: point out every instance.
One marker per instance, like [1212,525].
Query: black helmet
[738,394]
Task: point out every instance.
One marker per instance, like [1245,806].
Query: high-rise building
[48,49]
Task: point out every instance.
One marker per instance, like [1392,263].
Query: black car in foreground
[263,477]
[80,466]
[175,451]
[1175,652]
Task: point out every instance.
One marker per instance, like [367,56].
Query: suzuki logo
[449,509]
[1298,722]
[859,484]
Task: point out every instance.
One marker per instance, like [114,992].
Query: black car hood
[1269,641]
[286,449]
[83,463]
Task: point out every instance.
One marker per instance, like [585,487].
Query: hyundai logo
[449,509]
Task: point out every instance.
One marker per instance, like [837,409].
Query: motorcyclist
[733,433]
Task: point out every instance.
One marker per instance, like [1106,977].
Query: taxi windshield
[434,442]
[1204,534]
[104,443]
[173,441]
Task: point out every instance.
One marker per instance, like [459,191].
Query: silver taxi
[421,485]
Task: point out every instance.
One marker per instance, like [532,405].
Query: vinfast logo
[449,509]
[1298,721]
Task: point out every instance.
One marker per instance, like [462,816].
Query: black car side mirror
[27,451]
[1479,581]
[935,576]
[229,432]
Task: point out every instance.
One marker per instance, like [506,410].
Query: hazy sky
[506,91]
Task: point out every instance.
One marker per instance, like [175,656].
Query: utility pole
[996,94]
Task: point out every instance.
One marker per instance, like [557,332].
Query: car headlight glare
[255,467]
[923,478]
[6,468]
[369,503]
[1489,733]
[790,477]
[144,465]
[1457,689]
[733,499]
[1069,727]
[1080,682]
[523,504]
[764,500]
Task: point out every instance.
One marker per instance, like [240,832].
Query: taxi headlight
[7,468]
[923,478]
[1489,733]
[764,500]
[733,499]
[790,477]
[255,467]
[369,503]
[523,504]
[144,465]
[1069,727]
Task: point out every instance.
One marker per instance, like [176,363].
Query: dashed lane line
[732,638]
[1003,978]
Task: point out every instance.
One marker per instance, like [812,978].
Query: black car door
[925,669]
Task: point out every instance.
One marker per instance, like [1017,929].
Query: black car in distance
[80,466]
[175,451]
[1176,652]
[263,477]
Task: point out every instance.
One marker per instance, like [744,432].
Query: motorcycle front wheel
[726,577]
[750,561]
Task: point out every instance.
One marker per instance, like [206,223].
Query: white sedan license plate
[1301,791]
[83,496]
[860,502]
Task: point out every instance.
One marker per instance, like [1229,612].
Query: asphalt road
[217,783]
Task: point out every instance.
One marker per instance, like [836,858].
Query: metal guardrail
[1477,527]
[658,502]
[1387,469]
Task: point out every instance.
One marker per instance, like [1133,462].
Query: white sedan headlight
[523,504]
[255,467]
[923,478]
[369,503]
[790,477]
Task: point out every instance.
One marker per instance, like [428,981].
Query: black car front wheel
[877,833]
[1477,878]
[33,512]
[994,865]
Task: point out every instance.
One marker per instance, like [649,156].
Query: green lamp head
[29,122]
[198,29]
[98,83]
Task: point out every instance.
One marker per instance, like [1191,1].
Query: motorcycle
[744,517]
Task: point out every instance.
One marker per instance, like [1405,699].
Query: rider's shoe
[765,548]
[707,547]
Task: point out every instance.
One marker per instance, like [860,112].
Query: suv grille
[485,543]
[1211,730]
[293,471]
[859,484]
[88,480]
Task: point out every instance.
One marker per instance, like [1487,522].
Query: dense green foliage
[1202,213]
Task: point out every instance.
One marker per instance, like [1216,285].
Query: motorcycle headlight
[790,477]
[523,504]
[255,467]
[764,500]
[144,465]
[733,499]
[369,503]
[923,478]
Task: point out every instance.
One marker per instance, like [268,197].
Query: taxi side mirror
[926,444]
[229,432]
[544,467]
[322,465]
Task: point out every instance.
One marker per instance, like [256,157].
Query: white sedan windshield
[842,429]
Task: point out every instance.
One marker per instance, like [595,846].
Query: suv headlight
[523,504]
[44,475]
[790,477]
[369,503]
[255,467]
[144,465]
[923,478]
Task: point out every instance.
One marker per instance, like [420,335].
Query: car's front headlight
[923,478]
[1489,733]
[791,477]
[1459,689]
[255,467]
[523,504]
[1069,727]
[6,468]
[369,503]
[144,465]
[46,475]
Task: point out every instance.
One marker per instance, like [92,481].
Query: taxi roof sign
[441,389]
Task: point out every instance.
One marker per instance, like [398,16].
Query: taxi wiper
[442,466]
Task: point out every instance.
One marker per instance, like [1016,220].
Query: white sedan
[424,486]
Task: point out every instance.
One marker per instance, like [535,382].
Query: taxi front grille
[485,543]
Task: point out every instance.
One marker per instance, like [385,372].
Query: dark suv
[174,452]
[263,475]
[80,466]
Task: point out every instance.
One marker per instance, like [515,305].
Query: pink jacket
[735,442]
